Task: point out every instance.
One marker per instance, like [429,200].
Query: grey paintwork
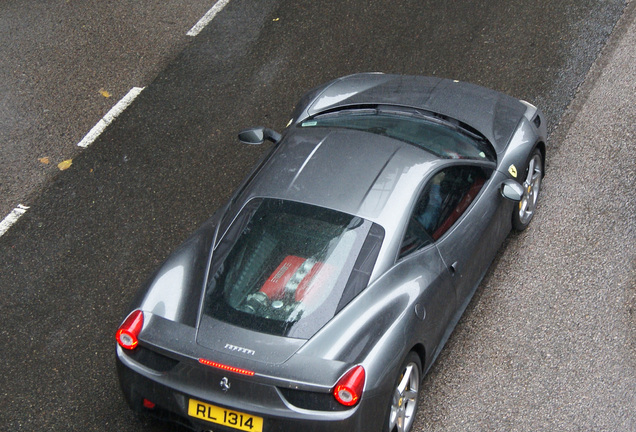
[411,304]
[496,118]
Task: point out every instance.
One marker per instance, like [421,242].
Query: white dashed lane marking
[111,115]
[209,16]
[114,112]
[12,218]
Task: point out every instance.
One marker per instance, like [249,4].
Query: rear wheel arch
[421,353]
[403,401]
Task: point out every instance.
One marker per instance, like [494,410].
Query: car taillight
[148,404]
[226,367]
[129,330]
[349,388]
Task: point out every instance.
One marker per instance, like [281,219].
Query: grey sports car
[319,296]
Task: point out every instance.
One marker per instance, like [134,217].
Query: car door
[420,261]
[454,232]
[471,225]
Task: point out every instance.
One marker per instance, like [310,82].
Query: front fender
[526,138]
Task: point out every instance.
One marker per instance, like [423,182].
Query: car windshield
[286,268]
[444,141]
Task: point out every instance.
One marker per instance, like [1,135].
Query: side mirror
[512,190]
[258,135]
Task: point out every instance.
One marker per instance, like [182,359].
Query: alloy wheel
[532,187]
[404,402]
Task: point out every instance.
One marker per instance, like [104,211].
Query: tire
[403,402]
[524,212]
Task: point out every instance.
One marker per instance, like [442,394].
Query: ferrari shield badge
[225,384]
[513,170]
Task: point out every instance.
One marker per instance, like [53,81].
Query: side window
[415,237]
[458,188]
[443,200]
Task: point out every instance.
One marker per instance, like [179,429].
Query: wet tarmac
[93,233]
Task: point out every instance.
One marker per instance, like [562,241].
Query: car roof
[356,172]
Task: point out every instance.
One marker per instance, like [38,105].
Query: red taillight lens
[349,388]
[129,330]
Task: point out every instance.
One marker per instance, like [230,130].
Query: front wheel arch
[533,173]
[541,146]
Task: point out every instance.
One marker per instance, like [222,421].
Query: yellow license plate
[222,416]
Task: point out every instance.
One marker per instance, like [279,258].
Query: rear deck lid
[244,343]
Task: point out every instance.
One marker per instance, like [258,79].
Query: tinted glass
[284,268]
[452,191]
[444,199]
[435,138]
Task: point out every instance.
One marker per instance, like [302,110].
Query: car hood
[494,114]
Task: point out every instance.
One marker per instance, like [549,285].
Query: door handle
[453,268]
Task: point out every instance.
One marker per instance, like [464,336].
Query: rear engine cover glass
[286,268]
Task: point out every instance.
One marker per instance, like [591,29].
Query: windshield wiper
[454,125]
[346,111]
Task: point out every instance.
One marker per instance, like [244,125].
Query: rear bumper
[171,393]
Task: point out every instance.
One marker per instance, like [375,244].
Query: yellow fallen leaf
[276,19]
[44,160]
[104,93]
[65,165]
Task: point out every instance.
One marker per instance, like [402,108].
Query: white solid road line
[111,115]
[12,218]
[209,16]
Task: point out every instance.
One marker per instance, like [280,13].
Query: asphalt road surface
[548,341]
[64,63]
